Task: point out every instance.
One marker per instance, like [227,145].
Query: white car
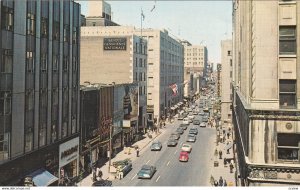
[191,118]
[186,121]
[186,147]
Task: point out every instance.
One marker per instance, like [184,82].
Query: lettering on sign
[114,43]
[69,151]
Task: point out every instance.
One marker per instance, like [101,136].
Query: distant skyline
[199,22]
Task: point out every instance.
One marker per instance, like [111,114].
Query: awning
[42,177]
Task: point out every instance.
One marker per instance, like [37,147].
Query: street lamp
[110,147]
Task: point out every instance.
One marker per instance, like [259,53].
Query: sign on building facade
[114,43]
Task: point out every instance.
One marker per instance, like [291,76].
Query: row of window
[7,62]
[140,63]
[7,19]
[140,48]
[140,76]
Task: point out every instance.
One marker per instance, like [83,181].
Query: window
[287,94]
[75,64]
[55,62]
[7,18]
[288,146]
[53,133]
[140,76]
[231,62]
[149,96]
[30,24]
[44,27]
[29,61]
[7,61]
[136,62]
[287,40]
[66,63]
[75,35]
[144,76]
[228,53]
[42,134]
[145,64]
[28,139]
[29,101]
[5,102]
[55,30]
[4,146]
[136,47]
[141,62]
[44,62]
[140,90]
[64,129]
[136,76]
[66,33]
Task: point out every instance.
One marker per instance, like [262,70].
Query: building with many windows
[39,88]
[117,57]
[267,91]
[226,78]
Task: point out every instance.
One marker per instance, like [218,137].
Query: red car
[183,156]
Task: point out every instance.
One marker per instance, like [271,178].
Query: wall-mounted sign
[68,151]
[114,43]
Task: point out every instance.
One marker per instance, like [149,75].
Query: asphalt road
[171,172]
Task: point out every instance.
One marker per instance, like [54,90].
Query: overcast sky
[199,22]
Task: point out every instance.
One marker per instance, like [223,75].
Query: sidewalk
[87,181]
[221,169]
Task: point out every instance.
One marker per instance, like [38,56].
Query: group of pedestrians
[221,182]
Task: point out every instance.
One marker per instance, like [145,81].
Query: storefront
[68,160]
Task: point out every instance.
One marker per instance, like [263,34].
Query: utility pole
[109,163]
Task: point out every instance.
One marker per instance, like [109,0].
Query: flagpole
[142,22]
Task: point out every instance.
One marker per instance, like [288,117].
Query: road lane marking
[157,179]
[168,163]
[148,162]
[175,152]
[133,177]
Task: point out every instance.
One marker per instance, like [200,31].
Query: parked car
[196,122]
[175,136]
[172,142]
[191,118]
[191,138]
[146,172]
[186,148]
[193,131]
[156,146]
[203,124]
[186,121]
[204,119]
[180,117]
[180,130]
[102,182]
[183,156]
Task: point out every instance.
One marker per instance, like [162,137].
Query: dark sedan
[146,172]
[179,130]
[183,126]
[193,131]
[175,136]
[196,122]
[156,146]
[172,142]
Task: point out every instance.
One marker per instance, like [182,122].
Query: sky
[199,22]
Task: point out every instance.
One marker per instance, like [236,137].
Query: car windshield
[191,135]
[185,145]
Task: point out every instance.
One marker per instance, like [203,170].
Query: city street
[171,172]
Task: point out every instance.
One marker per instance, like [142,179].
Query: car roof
[146,167]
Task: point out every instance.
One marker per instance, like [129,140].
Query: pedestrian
[225,183]
[216,183]
[221,181]
[231,167]
[94,174]
[164,124]
[100,174]
[228,135]
[228,151]
[224,131]
[137,152]
[220,154]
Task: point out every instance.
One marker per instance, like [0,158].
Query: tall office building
[39,89]
[226,78]
[116,57]
[195,61]
[165,72]
[267,91]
